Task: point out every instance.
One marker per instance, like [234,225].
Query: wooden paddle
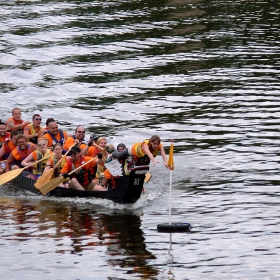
[147,177]
[46,188]
[46,176]
[98,146]
[10,175]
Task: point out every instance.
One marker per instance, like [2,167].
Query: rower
[23,150]
[34,131]
[15,122]
[83,178]
[55,135]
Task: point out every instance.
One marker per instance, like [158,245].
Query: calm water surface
[204,73]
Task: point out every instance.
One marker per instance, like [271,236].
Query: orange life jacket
[8,148]
[83,175]
[15,123]
[20,155]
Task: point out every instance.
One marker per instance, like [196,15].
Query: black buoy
[174,227]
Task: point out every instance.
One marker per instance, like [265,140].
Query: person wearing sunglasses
[41,152]
[34,130]
[78,138]
[15,122]
[22,151]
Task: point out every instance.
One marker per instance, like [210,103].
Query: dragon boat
[126,188]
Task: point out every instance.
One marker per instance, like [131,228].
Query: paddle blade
[46,188]
[170,162]
[148,176]
[45,178]
[10,175]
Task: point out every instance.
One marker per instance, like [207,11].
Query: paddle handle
[103,150]
[44,158]
[98,146]
[81,166]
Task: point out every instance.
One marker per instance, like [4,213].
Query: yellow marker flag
[170,162]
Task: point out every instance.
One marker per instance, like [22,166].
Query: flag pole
[170,195]
[172,227]
[170,165]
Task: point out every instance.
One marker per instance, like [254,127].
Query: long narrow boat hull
[128,189]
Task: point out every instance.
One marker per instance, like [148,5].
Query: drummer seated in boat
[21,152]
[82,179]
[41,152]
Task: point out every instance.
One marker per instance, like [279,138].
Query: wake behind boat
[128,188]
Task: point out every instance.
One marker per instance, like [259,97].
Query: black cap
[121,145]
[74,150]
[94,137]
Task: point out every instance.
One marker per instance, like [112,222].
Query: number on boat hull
[136,181]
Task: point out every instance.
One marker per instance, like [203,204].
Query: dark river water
[204,73]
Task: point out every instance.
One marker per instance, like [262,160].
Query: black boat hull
[128,188]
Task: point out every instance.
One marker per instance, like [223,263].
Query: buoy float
[174,227]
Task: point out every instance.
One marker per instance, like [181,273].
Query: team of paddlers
[40,149]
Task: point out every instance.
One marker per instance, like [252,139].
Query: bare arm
[163,156]
[2,152]
[9,161]
[48,166]
[149,154]
[84,151]
[28,161]
[29,136]
[11,126]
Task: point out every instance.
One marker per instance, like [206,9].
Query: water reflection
[126,245]
[79,230]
